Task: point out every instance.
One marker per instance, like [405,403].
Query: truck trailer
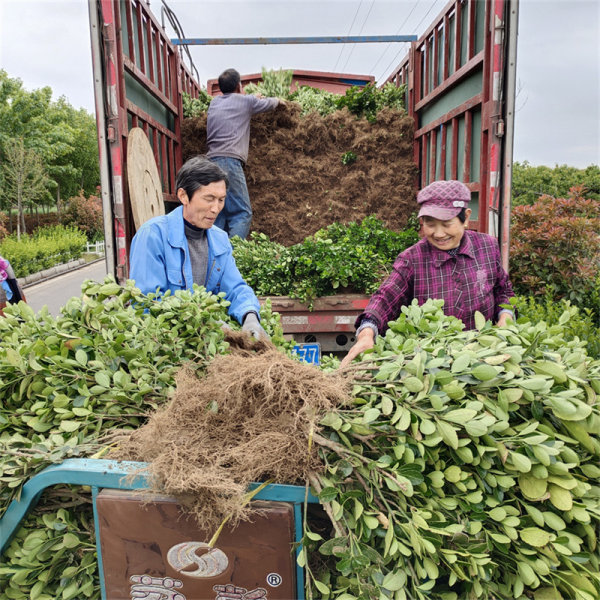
[459,77]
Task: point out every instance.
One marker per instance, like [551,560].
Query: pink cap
[443,200]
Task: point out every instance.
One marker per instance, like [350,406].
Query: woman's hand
[364,341]
[503,318]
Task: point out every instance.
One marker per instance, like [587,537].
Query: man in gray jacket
[227,140]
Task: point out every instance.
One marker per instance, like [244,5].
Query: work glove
[224,326]
[252,325]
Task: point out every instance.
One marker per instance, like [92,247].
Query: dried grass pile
[249,419]
[298,182]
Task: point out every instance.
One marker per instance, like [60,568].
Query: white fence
[96,248]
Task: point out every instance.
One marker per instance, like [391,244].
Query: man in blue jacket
[171,252]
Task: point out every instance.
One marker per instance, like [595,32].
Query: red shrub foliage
[85,214]
[555,247]
[32,222]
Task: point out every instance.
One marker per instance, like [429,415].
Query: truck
[459,77]
[337,83]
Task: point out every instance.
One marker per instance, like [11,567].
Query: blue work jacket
[160,261]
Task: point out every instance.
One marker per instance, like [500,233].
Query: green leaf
[371,414]
[448,434]
[452,474]
[14,358]
[301,558]
[403,422]
[81,357]
[413,384]
[485,372]
[322,587]
[591,471]
[474,497]
[476,428]
[561,498]
[498,513]
[394,580]
[479,320]
[546,367]
[332,420]
[358,509]
[534,536]
[520,461]
[427,427]
[387,406]
[102,379]
[70,426]
[370,521]
[460,363]
[532,488]
[460,415]
[71,591]
[535,514]
[70,540]
[547,593]
[389,537]
[432,570]
[526,572]
[328,494]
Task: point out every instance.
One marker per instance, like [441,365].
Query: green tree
[74,163]
[62,137]
[529,183]
[84,156]
[24,179]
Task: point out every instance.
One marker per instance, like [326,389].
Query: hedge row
[43,249]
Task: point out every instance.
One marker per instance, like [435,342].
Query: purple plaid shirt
[471,280]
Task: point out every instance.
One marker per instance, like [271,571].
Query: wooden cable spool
[145,189]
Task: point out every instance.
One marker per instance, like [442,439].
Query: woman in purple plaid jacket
[451,263]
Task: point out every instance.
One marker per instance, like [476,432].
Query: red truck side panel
[454,75]
[329,321]
[144,82]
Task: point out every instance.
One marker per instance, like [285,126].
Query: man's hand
[252,325]
[364,341]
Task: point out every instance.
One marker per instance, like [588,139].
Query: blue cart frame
[129,475]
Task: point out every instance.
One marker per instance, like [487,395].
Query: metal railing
[95,248]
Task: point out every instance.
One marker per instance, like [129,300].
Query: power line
[361,30]
[425,15]
[397,32]
[416,29]
[349,30]
[176,25]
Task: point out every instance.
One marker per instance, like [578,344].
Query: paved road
[56,291]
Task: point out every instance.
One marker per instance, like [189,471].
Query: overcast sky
[47,42]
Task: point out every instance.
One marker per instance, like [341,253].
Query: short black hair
[197,172]
[229,80]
